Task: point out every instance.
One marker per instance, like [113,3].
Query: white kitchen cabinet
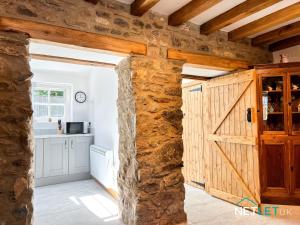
[79,157]
[39,158]
[56,156]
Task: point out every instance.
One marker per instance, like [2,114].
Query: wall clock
[80,97]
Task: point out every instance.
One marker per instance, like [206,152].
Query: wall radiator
[102,165]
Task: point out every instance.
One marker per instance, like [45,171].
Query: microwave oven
[76,127]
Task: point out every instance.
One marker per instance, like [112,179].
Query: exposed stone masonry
[15,131]
[112,18]
[151,148]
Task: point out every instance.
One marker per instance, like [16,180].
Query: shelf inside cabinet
[275,113]
[273,91]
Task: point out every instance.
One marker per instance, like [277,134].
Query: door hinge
[196,89]
[199,183]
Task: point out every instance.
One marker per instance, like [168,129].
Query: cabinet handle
[292,168]
[65,144]
[72,144]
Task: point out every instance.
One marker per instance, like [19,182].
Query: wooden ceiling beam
[208,61]
[68,36]
[235,14]
[194,77]
[269,21]
[71,60]
[190,10]
[140,7]
[277,35]
[286,43]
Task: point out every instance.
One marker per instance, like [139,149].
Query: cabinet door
[79,154]
[294,103]
[39,158]
[273,99]
[295,166]
[55,157]
[275,170]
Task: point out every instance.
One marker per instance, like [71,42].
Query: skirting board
[61,179]
[110,191]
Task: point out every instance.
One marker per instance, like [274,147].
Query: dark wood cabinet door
[275,169]
[295,166]
[294,103]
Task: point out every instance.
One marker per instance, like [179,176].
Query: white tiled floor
[86,203]
[76,203]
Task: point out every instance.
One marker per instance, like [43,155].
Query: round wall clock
[80,97]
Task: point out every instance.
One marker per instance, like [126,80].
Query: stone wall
[151,148]
[15,131]
[112,18]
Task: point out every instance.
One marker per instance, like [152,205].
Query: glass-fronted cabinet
[279,129]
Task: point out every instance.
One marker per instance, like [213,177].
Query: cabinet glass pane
[275,165]
[295,102]
[272,99]
[297,165]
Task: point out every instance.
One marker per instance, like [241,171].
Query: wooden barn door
[193,134]
[231,157]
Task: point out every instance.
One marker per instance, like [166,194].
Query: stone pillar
[151,148]
[15,131]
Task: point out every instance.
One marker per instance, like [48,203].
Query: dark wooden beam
[208,61]
[92,1]
[277,35]
[269,21]
[286,43]
[63,35]
[139,7]
[194,77]
[71,60]
[190,10]
[235,14]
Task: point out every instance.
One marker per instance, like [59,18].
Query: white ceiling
[167,7]
[198,71]
[59,66]
[55,49]
[74,52]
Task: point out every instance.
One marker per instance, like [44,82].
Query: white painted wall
[292,53]
[79,82]
[104,111]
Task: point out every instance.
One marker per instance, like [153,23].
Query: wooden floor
[86,203]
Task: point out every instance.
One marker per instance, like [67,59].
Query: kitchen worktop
[61,135]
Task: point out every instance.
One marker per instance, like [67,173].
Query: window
[50,102]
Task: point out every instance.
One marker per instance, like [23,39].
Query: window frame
[66,88]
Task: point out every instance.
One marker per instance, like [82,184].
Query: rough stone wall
[15,131]
[151,147]
[112,18]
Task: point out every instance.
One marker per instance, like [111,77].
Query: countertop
[61,135]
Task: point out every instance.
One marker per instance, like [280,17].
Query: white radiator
[102,165]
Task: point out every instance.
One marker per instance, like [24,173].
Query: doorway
[75,126]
